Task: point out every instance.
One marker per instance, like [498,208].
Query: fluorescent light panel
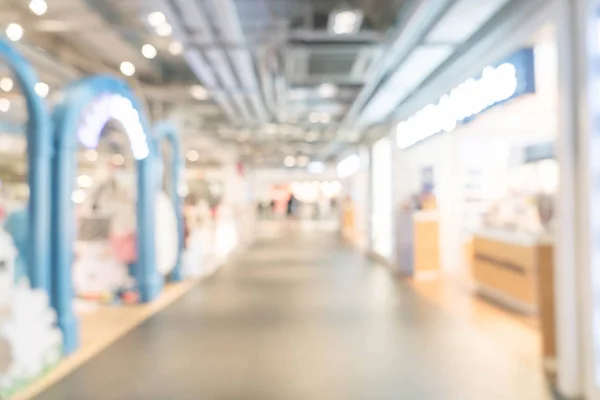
[463,19]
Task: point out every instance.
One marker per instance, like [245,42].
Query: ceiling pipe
[418,21]
[230,28]
[196,61]
[194,18]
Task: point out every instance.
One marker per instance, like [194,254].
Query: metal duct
[225,13]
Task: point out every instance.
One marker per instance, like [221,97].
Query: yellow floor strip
[101,328]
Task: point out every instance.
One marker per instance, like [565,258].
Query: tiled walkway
[303,317]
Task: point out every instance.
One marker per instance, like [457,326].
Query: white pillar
[578,231]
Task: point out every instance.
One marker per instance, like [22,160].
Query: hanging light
[38,7]
[127,68]
[198,92]
[14,32]
[289,161]
[175,48]
[91,155]
[156,18]
[4,105]
[164,29]
[42,89]
[193,155]
[6,84]
[149,51]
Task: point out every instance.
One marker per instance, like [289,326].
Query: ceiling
[256,80]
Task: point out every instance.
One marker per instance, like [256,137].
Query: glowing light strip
[119,108]
[467,99]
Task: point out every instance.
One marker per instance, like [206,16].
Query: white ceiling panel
[463,19]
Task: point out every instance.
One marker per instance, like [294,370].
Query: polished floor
[301,316]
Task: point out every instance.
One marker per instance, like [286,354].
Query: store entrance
[477,211]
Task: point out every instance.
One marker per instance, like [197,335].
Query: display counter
[426,236]
[517,270]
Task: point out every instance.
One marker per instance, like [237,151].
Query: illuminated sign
[495,85]
[108,107]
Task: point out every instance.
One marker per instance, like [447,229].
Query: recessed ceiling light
[193,155]
[127,68]
[4,105]
[164,29]
[271,129]
[289,161]
[156,18]
[343,22]
[302,161]
[199,92]
[175,48]
[6,84]
[42,89]
[38,7]
[14,32]
[149,51]
[328,90]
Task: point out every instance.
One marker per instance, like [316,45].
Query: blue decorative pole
[39,140]
[165,130]
[85,107]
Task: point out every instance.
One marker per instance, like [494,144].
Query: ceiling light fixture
[4,105]
[91,155]
[199,92]
[328,90]
[42,89]
[193,155]
[302,161]
[164,29]
[175,48]
[6,84]
[127,68]
[289,161]
[156,18]
[149,51]
[38,7]
[344,22]
[14,32]
[271,129]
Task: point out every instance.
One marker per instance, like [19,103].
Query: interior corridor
[303,317]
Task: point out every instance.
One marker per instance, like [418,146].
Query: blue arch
[75,102]
[164,130]
[39,145]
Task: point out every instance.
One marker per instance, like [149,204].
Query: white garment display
[30,342]
[96,271]
[167,238]
[8,255]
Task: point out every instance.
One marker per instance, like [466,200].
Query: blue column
[39,139]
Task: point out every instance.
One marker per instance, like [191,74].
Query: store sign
[119,108]
[496,84]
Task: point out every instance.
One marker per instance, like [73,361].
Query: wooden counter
[426,236]
[517,270]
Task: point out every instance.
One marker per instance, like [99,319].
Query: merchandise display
[105,248]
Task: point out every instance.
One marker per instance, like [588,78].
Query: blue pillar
[67,117]
[39,141]
[164,130]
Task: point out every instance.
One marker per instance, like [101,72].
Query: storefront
[353,172]
[478,184]
[382,232]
